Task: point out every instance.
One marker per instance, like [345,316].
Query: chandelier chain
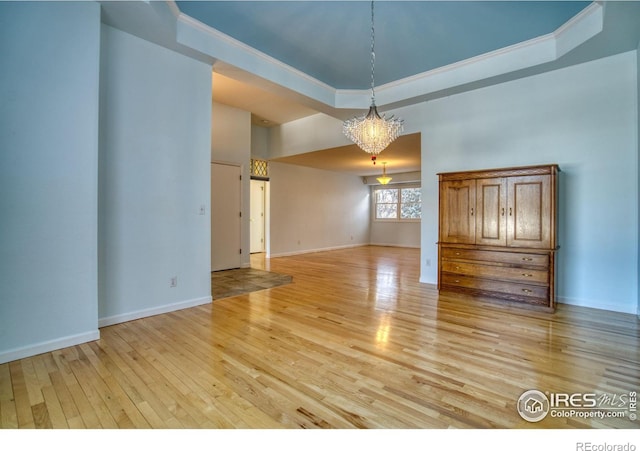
[373,56]
[373,132]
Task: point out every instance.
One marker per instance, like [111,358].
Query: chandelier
[384,179]
[373,132]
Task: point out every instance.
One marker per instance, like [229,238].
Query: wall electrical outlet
[173,282]
[203,209]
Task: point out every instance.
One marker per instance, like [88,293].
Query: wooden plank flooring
[353,342]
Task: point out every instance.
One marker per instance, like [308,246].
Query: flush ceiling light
[384,179]
[373,132]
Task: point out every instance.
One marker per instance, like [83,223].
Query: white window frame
[399,187]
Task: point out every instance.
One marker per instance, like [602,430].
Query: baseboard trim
[138,314]
[311,251]
[428,283]
[48,346]
[573,301]
[408,246]
[597,305]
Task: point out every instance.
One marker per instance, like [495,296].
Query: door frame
[264,185]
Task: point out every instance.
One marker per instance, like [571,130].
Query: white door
[226,218]
[257,216]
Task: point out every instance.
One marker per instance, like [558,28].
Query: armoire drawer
[508,258]
[524,275]
[496,286]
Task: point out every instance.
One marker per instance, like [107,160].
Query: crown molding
[586,24]
[201,37]
[523,55]
[544,49]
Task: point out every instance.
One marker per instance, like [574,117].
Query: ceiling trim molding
[192,35]
[540,50]
[523,55]
[586,24]
[201,37]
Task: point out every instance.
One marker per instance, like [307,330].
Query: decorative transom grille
[259,168]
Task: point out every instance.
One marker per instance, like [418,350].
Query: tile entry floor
[233,282]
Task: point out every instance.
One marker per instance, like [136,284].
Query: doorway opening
[259,224]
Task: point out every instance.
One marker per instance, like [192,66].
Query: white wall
[585,119]
[308,134]
[48,175]
[312,210]
[319,132]
[401,234]
[230,134]
[259,142]
[155,115]
[231,143]
[638,161]
[389,233]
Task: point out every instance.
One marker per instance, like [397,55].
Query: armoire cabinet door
[491,215]
[457,211]
[529,212]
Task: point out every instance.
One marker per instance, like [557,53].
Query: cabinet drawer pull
[527,275]
[457,253]
[526,290]
[502,211]
[471,211]
[456,268]
[527,259]
[457,281]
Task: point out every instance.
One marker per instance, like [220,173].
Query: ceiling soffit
[545,49]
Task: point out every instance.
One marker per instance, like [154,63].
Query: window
[398,203]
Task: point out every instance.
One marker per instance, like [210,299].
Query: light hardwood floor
[354,342]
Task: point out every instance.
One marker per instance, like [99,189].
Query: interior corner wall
[154,179]
[308,134]
[48,175]
[231,143]
[259,142]
[313,210]
[583,118]
[399,234]
[638,162]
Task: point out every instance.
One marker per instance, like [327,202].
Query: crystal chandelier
[372,132]
[384,179]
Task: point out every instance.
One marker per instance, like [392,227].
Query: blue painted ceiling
[330,40]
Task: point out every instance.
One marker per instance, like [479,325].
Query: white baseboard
[428,283]
[394,245]
[48,346]
[576,302]
[334,248]
[600,305]
[130,316]
[311,251]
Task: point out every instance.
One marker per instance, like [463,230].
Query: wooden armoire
[497,234]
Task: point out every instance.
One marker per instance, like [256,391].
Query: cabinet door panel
[491,220]
[529,220]
[457,211]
